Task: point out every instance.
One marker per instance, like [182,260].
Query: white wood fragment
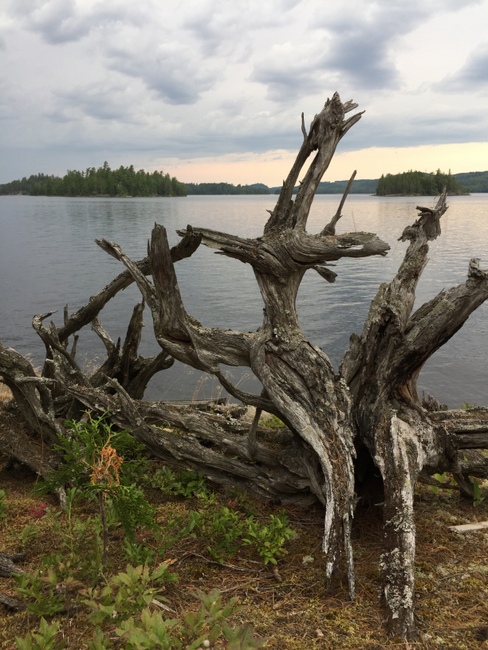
[468,528]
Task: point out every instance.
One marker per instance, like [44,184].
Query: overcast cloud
[154,84]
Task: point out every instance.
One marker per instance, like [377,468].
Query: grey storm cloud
[101,103]
[170,70]
[416,132]
[290,81]
[364,62]
[354,47]
[63,21]
[361,45]
[472,76]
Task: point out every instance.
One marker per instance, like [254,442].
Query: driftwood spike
[330,228]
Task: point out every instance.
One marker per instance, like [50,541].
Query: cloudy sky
[212,90]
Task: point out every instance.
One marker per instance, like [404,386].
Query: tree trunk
[340,428]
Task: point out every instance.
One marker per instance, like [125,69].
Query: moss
[271,421]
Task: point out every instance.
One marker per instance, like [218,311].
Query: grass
[287,604]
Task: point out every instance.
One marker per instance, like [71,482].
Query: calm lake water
[48,258]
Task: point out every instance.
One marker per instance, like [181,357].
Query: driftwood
[470,528]
[344,430]
[8,566]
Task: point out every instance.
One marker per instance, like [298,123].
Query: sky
[213,90]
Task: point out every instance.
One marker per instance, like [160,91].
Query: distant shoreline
[127,183]
[385,196]
[156,196]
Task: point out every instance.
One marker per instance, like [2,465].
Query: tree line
[126,181]
[473,181]
[104,181]
[226,188]
[414,183]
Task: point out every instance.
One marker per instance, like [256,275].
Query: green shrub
[127,593]
[81,450]
[45,639]
[40,589]
[94,468]
[223,528]
[268,539]
[226,530]
[200,629]
[182,483]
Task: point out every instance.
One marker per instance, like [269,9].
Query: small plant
[38,510]
[478,496]
[131,508]
[150,631]
[3,504]
[441,479]
[73,534]
[227,529]
[269,539]
[99,641]
[41,591]
[205,626]
[26,535]
[137,554]
[95,468]
[182,483]
[88,444]
[45,639]
[197,630]
[178,528]
[127,593]
[223,528]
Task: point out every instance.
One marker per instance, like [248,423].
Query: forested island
[127,182]
[413,183]
[124,181]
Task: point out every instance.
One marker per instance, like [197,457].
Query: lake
[48,258]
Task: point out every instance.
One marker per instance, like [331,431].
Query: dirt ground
[290,608]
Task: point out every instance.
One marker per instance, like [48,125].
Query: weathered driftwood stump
[341,427]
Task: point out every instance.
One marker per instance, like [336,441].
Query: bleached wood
[469,528]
